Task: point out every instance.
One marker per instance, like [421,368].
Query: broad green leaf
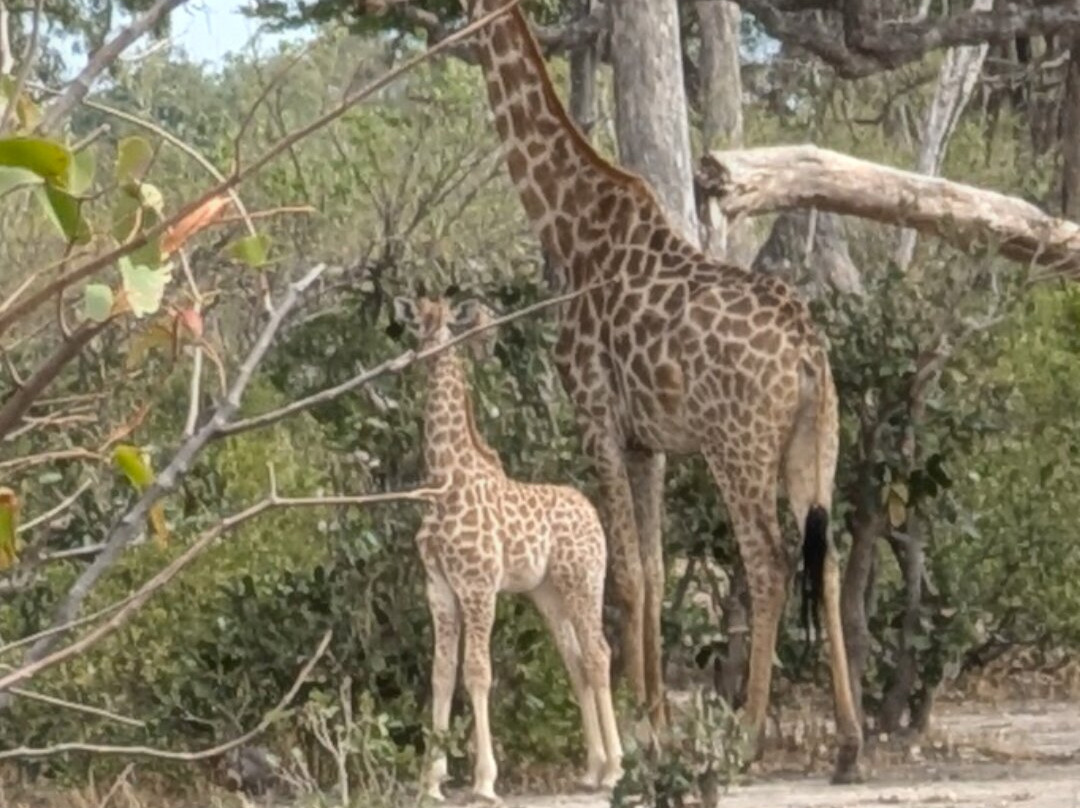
[897,510]
[251,250]
[143,286]
[9,522]
[133,156]
[65,212]
[140,475]
[81,172]
[46,158]
[97,302]
[11,178]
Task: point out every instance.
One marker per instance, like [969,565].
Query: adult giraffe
[676,353]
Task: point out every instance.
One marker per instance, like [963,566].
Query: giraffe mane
[629,179]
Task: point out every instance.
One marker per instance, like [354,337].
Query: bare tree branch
[395,365]
[134,603]
[861,45]
[756,181]
[55,701]
[7,58]
[202,754]
[100,61]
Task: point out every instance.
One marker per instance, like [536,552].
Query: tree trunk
[854,594]
[720,102]
[650,104]
[912,560]
[1070,137]
[7,58]
[809,249]
[730,671]
[956,81]
[583,77]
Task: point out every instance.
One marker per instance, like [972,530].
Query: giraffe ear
[405,311]
[466,314]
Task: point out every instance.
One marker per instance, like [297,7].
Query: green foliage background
[410,188]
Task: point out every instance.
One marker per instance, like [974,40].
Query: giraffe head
[434,321]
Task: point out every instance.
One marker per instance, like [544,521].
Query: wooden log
[750,182]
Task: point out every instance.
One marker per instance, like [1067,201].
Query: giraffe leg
[478,612]
[550,603]
[751,505]
[646,473]
[809,470]
[624,551]
[445,618]
[586,609]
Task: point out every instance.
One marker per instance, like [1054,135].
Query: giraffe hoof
[487,797]
[847,766]
[611,778]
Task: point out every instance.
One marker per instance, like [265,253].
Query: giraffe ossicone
[676,353]
[488,534]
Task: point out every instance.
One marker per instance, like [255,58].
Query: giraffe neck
[451,439]
[579,205]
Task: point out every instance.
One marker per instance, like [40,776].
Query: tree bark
[809,249]
[866,526]
[583,76]
[720,102]
[650,104]
[912,560]
[1070,136]
[765,180]
[7,58]
[956,81]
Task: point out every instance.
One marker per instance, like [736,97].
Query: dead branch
[750,182]
[131,605]
[19,402]
[11,313]
[55,701]
[202,754]
[855,42]
[56,510]
[100,61]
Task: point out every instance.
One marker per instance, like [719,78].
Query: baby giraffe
[489,534]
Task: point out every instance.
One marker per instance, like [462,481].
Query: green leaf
[12,178]
[9,520]
[65,212]
[80,174]
[98,302]
[143,286]
[133,156]
[140,475]
[251,250]
[46,158]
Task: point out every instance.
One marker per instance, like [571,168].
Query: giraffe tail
[816,530]
[815,548]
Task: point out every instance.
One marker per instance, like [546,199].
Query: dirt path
[1009,755]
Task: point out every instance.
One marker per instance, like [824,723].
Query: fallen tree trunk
[750,182]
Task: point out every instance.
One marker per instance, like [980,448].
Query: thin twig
[202,754]
[395,365]
[74,705]
[24,69]
[52,513]
[94,265]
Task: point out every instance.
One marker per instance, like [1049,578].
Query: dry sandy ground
[1008,755]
